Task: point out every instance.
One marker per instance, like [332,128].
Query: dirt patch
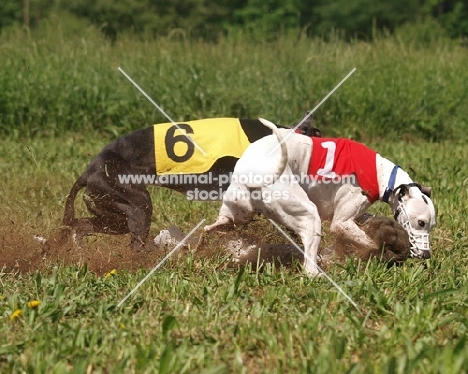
[21,252]
[257,242]
[102,253]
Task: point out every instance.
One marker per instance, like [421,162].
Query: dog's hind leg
[130,219]
[138,218]
[237,208]
[295,211]
[119,208]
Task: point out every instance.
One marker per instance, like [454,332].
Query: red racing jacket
[333,158]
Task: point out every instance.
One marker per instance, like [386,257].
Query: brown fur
[392,242]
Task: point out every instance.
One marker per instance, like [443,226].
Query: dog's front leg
[351,203]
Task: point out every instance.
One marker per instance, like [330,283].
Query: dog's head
[307,128]
[416,213]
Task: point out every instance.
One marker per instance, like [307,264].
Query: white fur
[309,203]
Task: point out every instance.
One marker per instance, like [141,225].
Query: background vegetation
[62,98]
[210,19]
[412,83]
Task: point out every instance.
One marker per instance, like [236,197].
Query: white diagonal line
[162,111]
[312,260]
[160,263]
[312,111]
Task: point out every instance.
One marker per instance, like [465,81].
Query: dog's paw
[172,237]
[40,239]
[222,223]
[312,270]
[164,238]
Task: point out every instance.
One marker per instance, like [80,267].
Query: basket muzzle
[420,246]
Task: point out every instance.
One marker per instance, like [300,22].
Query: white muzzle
[420,246]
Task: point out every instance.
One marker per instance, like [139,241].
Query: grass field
[63,99]
[57,81]
[194,315]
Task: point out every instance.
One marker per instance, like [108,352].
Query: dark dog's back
[125,207]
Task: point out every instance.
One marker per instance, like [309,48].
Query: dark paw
[138,245]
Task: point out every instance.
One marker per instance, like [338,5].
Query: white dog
[344,179]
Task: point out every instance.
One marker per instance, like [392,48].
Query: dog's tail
[284,150]
[69,214]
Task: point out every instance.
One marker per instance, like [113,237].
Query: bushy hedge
[261,19]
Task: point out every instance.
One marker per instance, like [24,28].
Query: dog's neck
[384,170]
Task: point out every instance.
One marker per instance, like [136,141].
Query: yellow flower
[33,304]
[121,325]
[16,314]
[112,272]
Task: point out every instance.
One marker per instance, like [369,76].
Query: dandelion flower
[121,325]
[34,304]
[16,314]
[112,272]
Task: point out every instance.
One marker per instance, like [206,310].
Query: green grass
[191,318]
[56,81]
[192,315]
[62,99]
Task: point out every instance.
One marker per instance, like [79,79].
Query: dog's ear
[308,129]
[402,191]
[426,190]
[306,126]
